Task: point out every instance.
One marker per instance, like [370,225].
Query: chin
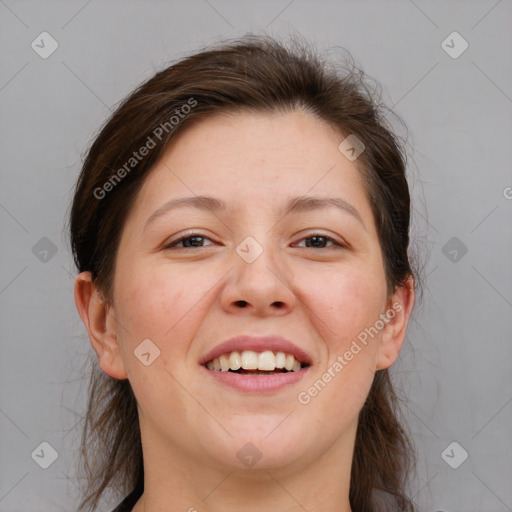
[260,443]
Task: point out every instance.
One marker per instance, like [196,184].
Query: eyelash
[170,245]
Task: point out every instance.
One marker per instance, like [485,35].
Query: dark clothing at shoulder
[129,502]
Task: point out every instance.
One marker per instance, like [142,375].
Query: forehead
[258,159]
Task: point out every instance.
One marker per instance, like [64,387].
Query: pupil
[192,241]
[315,241]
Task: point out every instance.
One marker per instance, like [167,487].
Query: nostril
[241,303]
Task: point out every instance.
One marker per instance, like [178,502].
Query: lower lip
[257,383]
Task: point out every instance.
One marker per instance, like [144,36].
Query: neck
[179,482]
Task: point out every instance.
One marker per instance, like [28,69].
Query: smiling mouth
[249,362]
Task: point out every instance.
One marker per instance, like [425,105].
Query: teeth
[235,361]
[250,360]
[280,360]
[289,362]
[224,363]
[267,361]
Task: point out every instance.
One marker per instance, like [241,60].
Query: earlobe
[393,335]
[100,324]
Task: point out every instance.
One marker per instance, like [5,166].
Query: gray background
[455,369]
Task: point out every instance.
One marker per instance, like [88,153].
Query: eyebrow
[293,205]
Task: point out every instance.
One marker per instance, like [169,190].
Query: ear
[99,320]
[393,334]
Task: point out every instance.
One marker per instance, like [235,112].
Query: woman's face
[312,274]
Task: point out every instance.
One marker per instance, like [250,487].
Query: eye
[319,241]
[192,240]
[188,241]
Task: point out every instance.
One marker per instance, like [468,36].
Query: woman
[241,228]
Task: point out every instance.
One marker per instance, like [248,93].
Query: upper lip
[257,344]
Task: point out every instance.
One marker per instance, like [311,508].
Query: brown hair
[259,74]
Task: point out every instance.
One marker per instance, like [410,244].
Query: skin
[186,301]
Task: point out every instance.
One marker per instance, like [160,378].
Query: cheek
[160,303]
[344,302]
[343,307]
[348,304]
[163,306]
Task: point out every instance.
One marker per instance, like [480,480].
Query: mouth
[252,363]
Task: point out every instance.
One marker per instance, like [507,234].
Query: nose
[260,288]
